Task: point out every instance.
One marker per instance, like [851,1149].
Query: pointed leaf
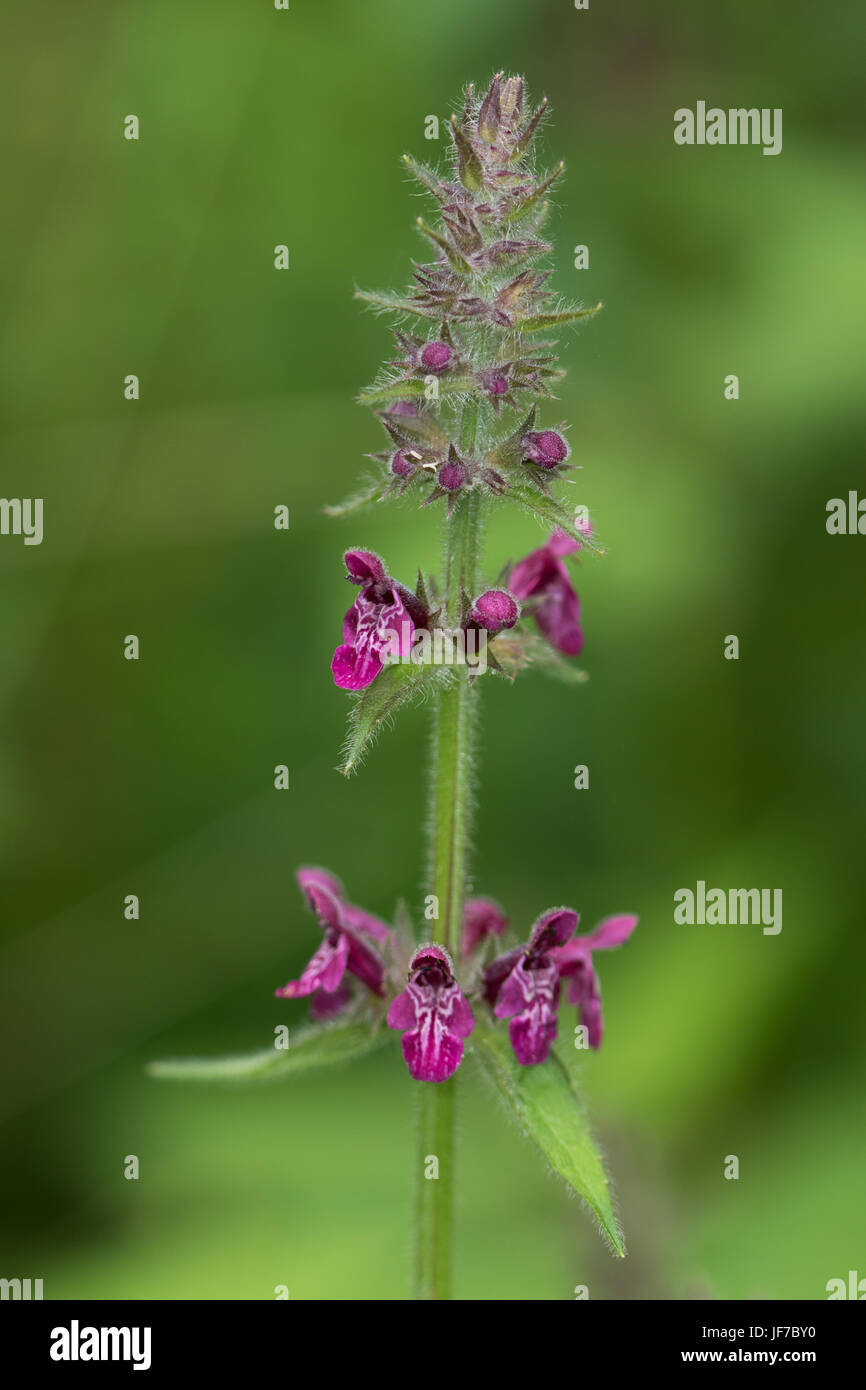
[536,195]
[389,391]
[546,1105]
[396,303]
[455,258]
[556,318]
[364,497]
[549,510]
[468,164]
[376,705]
[310,1048]
[528,135]
[425,176]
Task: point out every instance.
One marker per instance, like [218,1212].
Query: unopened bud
[401,466]
[494,610]
[436,357]
[451,476]
[546,448]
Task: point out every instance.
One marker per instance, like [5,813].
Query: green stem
[451,809]
[434,1194]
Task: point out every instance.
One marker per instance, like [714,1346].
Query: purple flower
[348,932]
[574,963]
[481,918]
[523,985]
[436,357]
[433,1016]
[543,577]
[494,610]
[381,621]
[546,448]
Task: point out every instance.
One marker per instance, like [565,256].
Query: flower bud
[546,448]
[436,357]
[451,476]
[401,466]
[494,610]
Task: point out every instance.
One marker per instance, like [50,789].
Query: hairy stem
[452,776]
[434,1194]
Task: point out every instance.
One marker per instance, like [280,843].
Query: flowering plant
[458,405]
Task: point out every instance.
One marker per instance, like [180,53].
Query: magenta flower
[481,918]
[346,946]
[523,985]
[380,622]
[574,962]
[433,1016]
[543,578]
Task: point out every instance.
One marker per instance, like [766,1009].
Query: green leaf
[388,391]
[425,175]
[536,196]
[313,1047]
[396,303]
[546,1105]
[452,253]
[376,705]
[364,497]
[468,164]
[556,318]
[550,510]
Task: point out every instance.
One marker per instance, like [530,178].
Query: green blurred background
[155,778]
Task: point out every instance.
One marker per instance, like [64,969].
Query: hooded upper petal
[311,879]
[311,876]
[363,567]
